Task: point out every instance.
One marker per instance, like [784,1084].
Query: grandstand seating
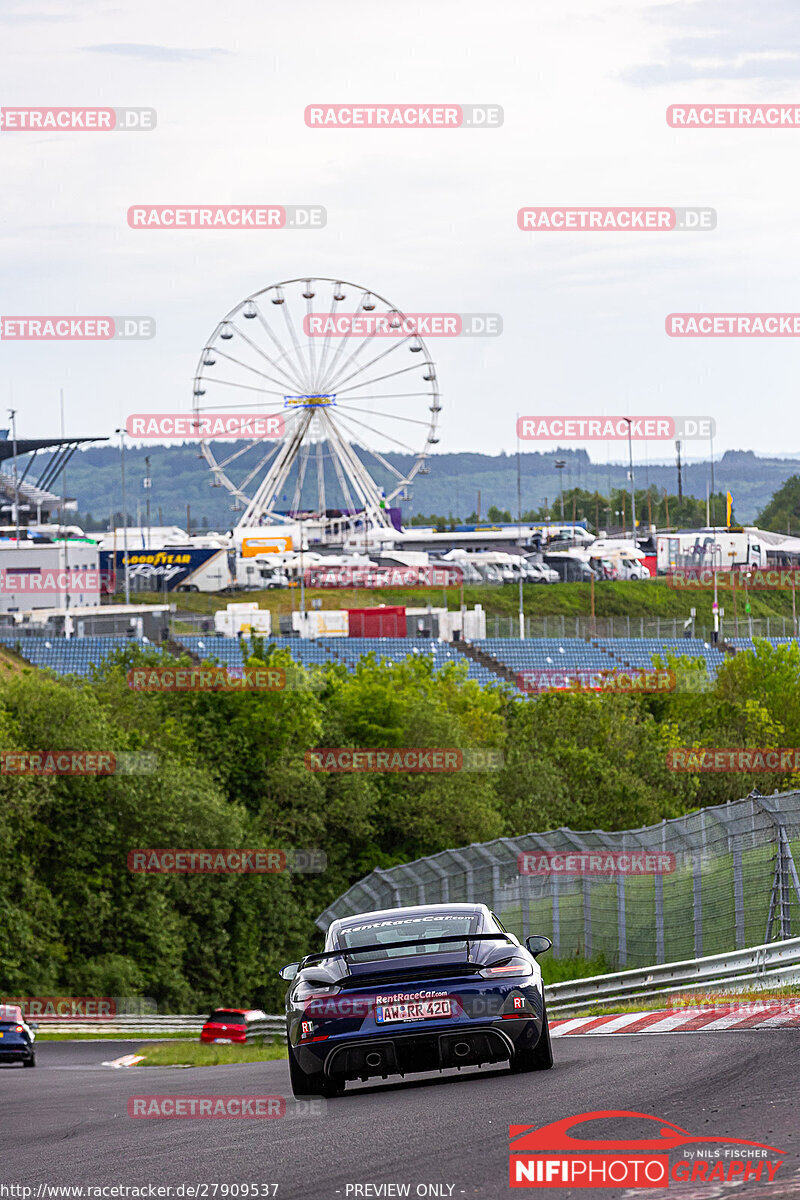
[347,651]
[76,656]
[66,656]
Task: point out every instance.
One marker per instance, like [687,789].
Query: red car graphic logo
[555,1136]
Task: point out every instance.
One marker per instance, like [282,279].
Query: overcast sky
[427,218]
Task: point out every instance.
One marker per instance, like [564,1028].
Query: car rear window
[225,1017]
[403,930]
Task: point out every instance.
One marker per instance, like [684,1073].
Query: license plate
[415,1010]
[2,1035]
[224,1041]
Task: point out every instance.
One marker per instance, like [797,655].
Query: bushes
[231,773]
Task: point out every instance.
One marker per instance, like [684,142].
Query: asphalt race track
[66,1121]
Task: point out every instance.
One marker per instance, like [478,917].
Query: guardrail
[271,1026]
[771,964]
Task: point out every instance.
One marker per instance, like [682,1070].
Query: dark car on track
[16,1037]
[415,989]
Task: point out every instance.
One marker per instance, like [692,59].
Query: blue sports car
[415,989]
[17,1037]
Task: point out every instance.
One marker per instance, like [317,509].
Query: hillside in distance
[180,476]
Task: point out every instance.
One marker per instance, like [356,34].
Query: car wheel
[30,1062]
[540,1058]
[316,1084]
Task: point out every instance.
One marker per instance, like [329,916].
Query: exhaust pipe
[462,1049]
[373,1060]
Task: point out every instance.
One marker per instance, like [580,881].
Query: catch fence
[727,880]
[561,625]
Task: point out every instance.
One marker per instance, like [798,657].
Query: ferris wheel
[360,409]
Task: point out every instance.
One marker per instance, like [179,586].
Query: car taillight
[315,991]
[519,967]
[19,1029]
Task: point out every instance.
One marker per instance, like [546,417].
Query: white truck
[711,547]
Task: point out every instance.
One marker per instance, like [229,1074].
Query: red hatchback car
[234,1025]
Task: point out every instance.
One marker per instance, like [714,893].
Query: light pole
[303,548]
[633,485]
[13,414]
[559,465]
[148,483]
[121,433]
[715,549]
[519,540]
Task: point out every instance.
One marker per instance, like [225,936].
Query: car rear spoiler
[310,959]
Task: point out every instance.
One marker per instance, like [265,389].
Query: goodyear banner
[156,570]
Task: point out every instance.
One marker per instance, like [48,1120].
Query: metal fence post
[587,917]
[659,897]
[556,930]
[697,903]
[622,932]
[738,894]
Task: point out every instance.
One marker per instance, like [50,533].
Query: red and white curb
[688,1020]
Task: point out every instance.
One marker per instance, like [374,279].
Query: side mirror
[288,973]
[33,1024]
[537,943]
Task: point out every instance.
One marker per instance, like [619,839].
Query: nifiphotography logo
[552,1156]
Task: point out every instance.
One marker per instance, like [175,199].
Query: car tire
[316,1084]
[30,1062]
[540,1058]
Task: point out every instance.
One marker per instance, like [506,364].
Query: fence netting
[711,881]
